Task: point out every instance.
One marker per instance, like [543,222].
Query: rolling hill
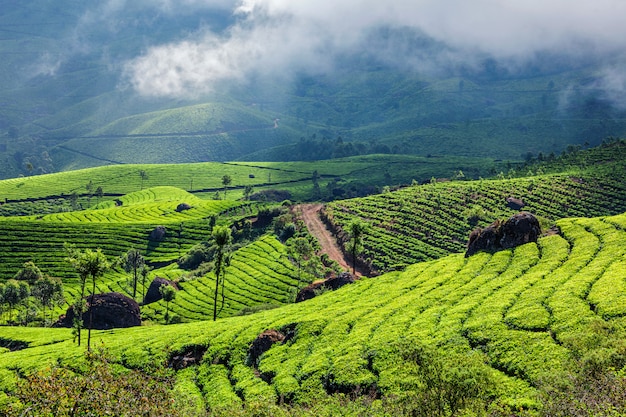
[66,103]
[495,329]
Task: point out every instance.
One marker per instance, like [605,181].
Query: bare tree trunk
[93,293]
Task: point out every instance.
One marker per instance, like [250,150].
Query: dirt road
[310,215]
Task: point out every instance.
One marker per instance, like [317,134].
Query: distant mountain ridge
[65,102]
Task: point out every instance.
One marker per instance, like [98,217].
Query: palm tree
[133,261]
[221,239]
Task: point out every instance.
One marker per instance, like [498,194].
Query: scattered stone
[153,294]
[334,283]
[192,355]
[262,344]
[110,310]
[158,234]
[519,229]
[183,207]
[515,203]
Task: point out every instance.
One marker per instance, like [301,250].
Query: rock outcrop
[333,283]
[266,340]
[190,356]
[183,207]
[515,203]
[153,294]
[110,310]
[158,234]
[519,229]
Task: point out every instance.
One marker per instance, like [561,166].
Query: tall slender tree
[168,293]
[143,175]
[221,239]
[15,292]
[300,250]
[144,271]
[48,292]
[356,229]
[133,260]
[226,181]
[94,264]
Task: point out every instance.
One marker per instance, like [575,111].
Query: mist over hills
[85,84]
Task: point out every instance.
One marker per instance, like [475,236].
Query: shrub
[100,388]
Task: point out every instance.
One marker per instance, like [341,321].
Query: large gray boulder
[110,310]
[519,229]
[154,294]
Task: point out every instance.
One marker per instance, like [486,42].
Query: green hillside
[496,329]
[353,176]
[429,221]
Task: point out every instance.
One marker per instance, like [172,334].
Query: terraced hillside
[115,230]
[492,328]
[426,222]
[259,274]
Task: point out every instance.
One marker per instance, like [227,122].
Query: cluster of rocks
[519,229]
[332,283]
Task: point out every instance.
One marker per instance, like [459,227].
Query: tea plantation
[499,326]
[532,331]
[426,222]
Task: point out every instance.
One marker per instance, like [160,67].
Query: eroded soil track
[317,228]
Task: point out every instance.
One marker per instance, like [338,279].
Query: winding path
[311,218]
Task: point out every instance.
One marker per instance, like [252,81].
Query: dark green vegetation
[65,104]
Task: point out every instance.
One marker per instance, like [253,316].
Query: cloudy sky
[270,37]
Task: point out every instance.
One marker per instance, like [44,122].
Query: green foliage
[48,292]
[494,334]
[169,294]
[99,388]
[133,261]
[221,239]
[425,222]
[14,293]
[29,273]
[356,229]
[87,263]
[300,250]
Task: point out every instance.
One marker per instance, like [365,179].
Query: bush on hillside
[100,388]
[198,254]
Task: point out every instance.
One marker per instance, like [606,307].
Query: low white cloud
[612,83]
[282,36]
